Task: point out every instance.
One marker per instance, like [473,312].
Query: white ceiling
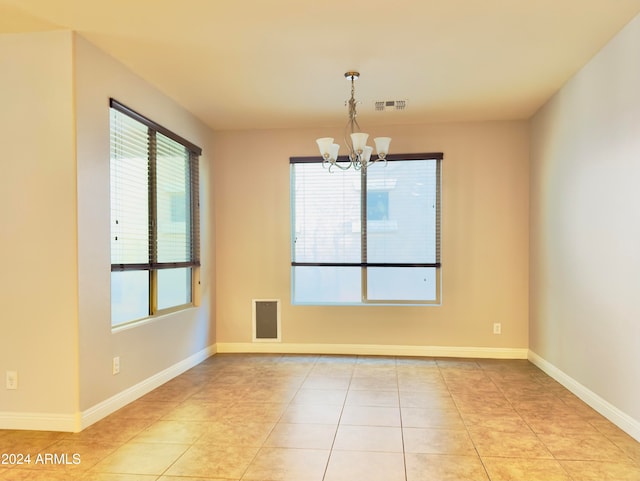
[280,63]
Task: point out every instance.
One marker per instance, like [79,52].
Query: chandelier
[359,152]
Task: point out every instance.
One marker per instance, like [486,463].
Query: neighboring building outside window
[366,237]
[154,217]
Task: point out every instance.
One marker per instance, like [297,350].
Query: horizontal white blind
[401,212]
[129,190]
[326,214]
[173,210]
[391,256]
[154,195]
[154,217]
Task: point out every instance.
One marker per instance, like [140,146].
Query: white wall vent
[266,320]
[383,105]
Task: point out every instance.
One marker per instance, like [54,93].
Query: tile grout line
[277,421]
[466,427]
[529,426]
[335,435]
[404,451]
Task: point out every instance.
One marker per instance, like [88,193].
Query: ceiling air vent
[383,105]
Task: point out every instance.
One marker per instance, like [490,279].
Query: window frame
[193,228]
[364,264]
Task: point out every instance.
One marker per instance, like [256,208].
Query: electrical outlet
[12,380]
[497,328]
[116,365]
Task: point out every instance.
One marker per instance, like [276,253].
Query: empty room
[320,241]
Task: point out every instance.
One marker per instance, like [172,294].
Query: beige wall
[55,281]
[585,226]
[484,240]
[38,279]
[146,349]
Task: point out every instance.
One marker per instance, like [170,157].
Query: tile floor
[340,418]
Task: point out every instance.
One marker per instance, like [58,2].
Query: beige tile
[584,447]
[369,466]
[304,436]
[18,474]
[601,471]
[369,438]
[482,403]
[230,406]
[93,476]
[25,446]
[372,398]
[59,475]
[269,395]
[320,370]
[111,430]
[374,383]
[540,404]
[607,428]
[437,441]
[511,469]
[370,416]
[417,370]
[320,396]
[475,378]
[286,464]
[480,387]
[196,410]
[10,436]
[506,422]
[427,384]
[630,446]
[458,364]
[191,478]
[375,365]
[221,393]
[509,445]
[213,461]
[375,362]
[432,418]
[438,467]
[171,392]
[254,412]
[415,363]
[141,458]
[324,382]
[312,414]
[151,410]
[175,432]
[235,434]
[427,400]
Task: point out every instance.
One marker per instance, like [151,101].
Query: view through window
[366,237]
[154,217]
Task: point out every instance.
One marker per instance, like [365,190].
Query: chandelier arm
[356,158]
[335,164]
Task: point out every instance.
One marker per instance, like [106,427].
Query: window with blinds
[154,217]
[366,237]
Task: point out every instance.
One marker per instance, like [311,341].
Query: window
[366,237]
[154,217]
[392,258]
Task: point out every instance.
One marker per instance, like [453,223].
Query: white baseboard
[108,406]
[625,422]
[373,350]
[39,421]
[77,421]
